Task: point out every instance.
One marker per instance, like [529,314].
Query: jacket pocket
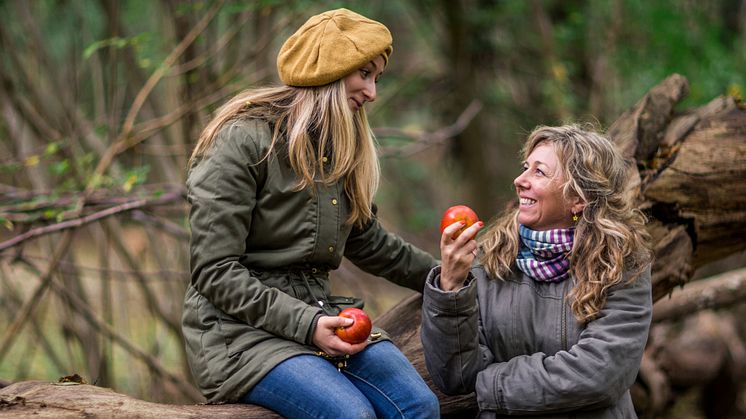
[237,336]
[205,344]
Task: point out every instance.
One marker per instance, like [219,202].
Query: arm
[451,335]
[595,372]
[376,251]
[222,191]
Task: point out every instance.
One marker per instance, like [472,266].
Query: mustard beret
[330,46]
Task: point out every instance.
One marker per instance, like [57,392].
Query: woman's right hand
[328,341]
[457,254]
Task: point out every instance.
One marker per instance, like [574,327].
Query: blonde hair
[314,122]
[610,242]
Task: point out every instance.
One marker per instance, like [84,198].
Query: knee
[425,404]
[358,411]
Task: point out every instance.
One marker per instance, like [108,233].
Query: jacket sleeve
[451,335]
[593,373]
[379,252]
[222,192]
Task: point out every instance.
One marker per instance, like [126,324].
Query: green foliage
[115,42]
[681,37]
[133,177]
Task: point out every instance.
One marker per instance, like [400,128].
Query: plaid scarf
[543,254]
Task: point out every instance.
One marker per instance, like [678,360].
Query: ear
[577,205]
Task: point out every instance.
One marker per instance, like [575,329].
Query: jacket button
[334,201]
[331,249]
[314,270]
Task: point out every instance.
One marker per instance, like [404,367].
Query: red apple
[359,330]
[458,213]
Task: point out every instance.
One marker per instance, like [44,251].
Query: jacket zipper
[563,316]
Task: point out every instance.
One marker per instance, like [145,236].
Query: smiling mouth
[527,201]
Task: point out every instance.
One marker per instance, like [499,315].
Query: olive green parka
[260,255]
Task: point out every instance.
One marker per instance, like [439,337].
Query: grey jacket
[517,345]
[261,252]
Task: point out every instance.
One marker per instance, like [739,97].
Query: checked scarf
[543,254]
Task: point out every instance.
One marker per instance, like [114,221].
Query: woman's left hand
[457,254]
[328,341]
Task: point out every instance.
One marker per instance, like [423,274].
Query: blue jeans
[377,382]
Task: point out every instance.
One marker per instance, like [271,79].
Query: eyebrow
[538,163]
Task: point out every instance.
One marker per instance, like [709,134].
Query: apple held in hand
[458,213]
[358,331]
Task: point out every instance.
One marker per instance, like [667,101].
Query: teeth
[527,201]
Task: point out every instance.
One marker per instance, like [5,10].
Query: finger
[340,321]
[470,233]
[339,347]
[449,231]
[358,347]
[333,322]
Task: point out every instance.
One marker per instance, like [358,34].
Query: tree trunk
[690,178]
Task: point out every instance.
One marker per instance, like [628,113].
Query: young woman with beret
[281,186]
[553,319]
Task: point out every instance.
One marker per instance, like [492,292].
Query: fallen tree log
[690,178]
[42,399]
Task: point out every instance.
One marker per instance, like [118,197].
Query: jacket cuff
[489,382]
[312,328]
[459,301]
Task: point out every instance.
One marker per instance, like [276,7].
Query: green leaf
[6,223]
[51,149]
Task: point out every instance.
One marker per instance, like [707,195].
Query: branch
[79,222]
[123,141]
[425,140]
[718,291]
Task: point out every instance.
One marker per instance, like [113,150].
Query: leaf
[6,223]
[59,168]
[115,42]
[735,91]
[32,161]
[51,149]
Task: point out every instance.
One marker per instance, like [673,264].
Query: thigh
[308,386]
[391,384]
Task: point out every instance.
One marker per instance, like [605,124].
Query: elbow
[449,380]
[606,393]
[450,386]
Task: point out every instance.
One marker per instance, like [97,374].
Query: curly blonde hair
[611,244]
[313,122]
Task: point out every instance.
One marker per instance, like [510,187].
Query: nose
[521,182]
[370,91]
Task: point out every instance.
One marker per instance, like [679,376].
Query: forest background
[101,103]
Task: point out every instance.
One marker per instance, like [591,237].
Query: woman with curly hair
[553,317]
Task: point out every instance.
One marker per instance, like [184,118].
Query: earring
[575,217]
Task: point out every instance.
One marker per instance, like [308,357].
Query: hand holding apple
[458,213]
[360,329]
[326,339]
[458,249]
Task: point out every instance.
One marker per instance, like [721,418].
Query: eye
[540,172]
[364,73]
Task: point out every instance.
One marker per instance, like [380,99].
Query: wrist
[448,284]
